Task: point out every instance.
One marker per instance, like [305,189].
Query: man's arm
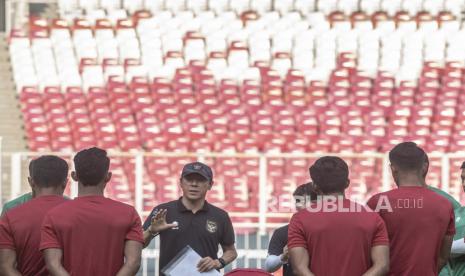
[300,261]
[53,258]
[148,236]
[132,254]
[274,262]
[229,253]
[445,251]
[277,250]
[380,260]
[158,224]
[207,263]
[8,263]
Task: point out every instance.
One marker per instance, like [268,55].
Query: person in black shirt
[277,249]
[194,222]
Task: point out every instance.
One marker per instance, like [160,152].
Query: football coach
[195,222]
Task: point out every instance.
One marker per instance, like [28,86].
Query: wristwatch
[222,262]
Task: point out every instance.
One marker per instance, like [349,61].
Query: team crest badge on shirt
[211,226]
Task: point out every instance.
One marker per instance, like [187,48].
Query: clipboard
[185,263]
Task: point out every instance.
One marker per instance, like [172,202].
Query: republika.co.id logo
[337,204]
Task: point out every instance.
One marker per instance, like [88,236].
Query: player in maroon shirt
[420,222]
[20,227]
[335,236]
[92,235]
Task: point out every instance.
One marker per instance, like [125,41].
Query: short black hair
[407,156]
[330,174]
[426,156]
[31,165]
[48,171]
[91,166]
[306,190]
[426,162]
[463,166]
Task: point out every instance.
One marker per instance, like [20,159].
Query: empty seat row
[86,55]
[78,7]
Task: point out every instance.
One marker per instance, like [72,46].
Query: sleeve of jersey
[380,236]
[135,231]
[451,227]
[296,234]
[48,236]
[228,237]
[6,235]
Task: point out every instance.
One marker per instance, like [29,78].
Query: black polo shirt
[276,247]
[203,231]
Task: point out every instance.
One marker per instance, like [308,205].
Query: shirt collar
[183,208]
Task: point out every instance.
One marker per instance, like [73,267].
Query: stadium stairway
[11,123]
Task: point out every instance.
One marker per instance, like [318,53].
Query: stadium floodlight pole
[262,194]
[445,178]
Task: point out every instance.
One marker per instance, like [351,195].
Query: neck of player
[48,191]
[409,180]
[193,205]
[90,190]
[335,194]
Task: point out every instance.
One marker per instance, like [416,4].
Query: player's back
[338,242]
[20,230]
[92,231]
[417,220]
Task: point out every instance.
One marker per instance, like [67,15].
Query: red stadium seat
[208,84]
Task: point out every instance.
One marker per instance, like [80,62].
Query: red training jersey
[338,242]
[91,231]
[20,231]
[417,224]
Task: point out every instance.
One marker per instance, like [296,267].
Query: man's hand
[285,255]
[158,223]
[207,264]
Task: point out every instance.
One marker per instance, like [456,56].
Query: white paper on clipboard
[185,263]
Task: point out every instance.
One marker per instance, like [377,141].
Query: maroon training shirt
[20,231]
[91,231]
[339,242]
[417,225]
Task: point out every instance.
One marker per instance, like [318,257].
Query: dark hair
[463,166]
[91,166]
[31,164]
[426,162]
[48,171]
[408,156]
[306,190]
[330,174]
[426,156]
